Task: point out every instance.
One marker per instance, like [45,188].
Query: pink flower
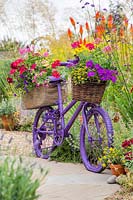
[75,44]
[107,49]
[90,46]
[23,51]
[98,40]
[46,54]
[12,71]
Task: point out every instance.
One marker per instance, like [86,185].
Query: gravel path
[16,143]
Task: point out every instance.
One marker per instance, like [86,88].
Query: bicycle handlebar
[69,63]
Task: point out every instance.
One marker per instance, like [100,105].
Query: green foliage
[67,152]
[126,181]
[6,89]
[16,181]
[122,132]
[7,108]
[26,125]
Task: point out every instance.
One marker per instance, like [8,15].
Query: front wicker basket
[91,92]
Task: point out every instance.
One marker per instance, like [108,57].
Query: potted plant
[114,158]
[7,113]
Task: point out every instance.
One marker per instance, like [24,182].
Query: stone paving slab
[67,181]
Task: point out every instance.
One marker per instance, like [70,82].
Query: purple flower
[97,66]
[92,5]
[90,64]
[113,79]
[25,82]
[91,74]
[106,74]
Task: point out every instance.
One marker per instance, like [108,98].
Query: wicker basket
[88,92]
[43,96]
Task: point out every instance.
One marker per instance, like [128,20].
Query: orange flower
[110,21]
[131,29]
[84,41]
[81,30]
[80,41]
[87,26]
[121,32]
[69,32]
[98,15]
[125,21]
[72,21]
[100,30]
[103,19]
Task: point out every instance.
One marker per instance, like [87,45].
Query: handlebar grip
[70,62]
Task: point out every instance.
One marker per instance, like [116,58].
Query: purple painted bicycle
[50,130]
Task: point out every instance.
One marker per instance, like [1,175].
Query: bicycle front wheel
[96,134]
[43,132]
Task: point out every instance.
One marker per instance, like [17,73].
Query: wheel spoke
[43,132]
[95,139]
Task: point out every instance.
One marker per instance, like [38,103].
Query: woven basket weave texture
[88,92]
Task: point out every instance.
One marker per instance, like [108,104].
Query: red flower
[12,71]
[126,143]
[33,66]
[129,155]
[17,63]
[56,63]
[90,46]
[9,80]
[55,74]
[22,69]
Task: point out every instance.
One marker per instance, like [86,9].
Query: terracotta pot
[117,169]
[8,122]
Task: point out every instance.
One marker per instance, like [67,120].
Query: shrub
[16,181]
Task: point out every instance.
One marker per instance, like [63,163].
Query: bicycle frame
[63,111]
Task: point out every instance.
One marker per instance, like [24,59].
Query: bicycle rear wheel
[43,132]
[98,136]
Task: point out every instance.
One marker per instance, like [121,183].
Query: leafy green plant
[6,90]
[7,108]
[126,181]
[67,152]
[16,181]
[112,156]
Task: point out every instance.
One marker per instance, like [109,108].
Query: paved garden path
[64,181]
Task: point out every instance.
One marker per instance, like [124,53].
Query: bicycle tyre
[101,135]
[43,143]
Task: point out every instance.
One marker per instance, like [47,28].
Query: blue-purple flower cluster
[102,73]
